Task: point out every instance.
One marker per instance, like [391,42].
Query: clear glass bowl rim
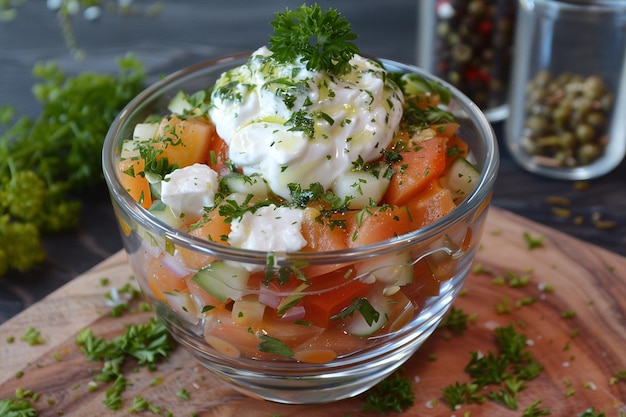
[426,234]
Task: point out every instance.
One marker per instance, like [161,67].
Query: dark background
[186,32]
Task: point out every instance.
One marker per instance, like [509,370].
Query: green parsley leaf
[394,393]
[533,242]
[32,336]
[275,346]
[321,39]
[533,411]
[456,321]
[182,393]
[11,407]
[113,396]
[369,313]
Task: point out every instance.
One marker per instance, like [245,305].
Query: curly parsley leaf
[10,407]
[321,39]
[505,370]
[147,343]
[394,393]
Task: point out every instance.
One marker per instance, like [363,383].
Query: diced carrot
[184,141]
[456,147]
[447,130]
[321,236]
[333,339]
[377,224]
[134,182]
[424,101]
[229,338]
[431,204]
[161,279]
[290,333]
[329,294]
[212,227]
[245,338]
[420,164]
[321,355]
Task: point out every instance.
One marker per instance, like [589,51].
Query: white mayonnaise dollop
[293,125]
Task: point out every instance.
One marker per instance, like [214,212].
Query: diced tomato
[420,164]
[329,294]
[377,224]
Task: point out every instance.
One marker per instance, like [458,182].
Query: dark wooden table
[193,31]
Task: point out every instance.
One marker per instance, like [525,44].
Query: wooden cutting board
[581,354]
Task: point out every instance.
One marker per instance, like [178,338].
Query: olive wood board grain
[581,355]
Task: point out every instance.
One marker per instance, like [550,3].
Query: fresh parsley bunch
[46,161]
[321,39]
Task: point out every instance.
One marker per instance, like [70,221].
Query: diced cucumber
[461,178]
[180,103]
[145,131]
[162,212]
[246,184]
[222,280]
[358,326]
[361,187]
[130,150]
[154,180]
[393,270]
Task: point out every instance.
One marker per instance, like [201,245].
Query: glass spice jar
[568,93]
[469,44]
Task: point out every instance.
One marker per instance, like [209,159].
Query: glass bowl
[411,280]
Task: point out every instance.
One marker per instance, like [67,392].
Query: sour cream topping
[293,125]
[269,228]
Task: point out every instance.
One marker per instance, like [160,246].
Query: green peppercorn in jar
[568,91]
[469,44]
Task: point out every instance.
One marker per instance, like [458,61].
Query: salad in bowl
[301,216]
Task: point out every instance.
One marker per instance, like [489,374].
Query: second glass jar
[568,91]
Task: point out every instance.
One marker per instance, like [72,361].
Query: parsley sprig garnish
[321,39]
